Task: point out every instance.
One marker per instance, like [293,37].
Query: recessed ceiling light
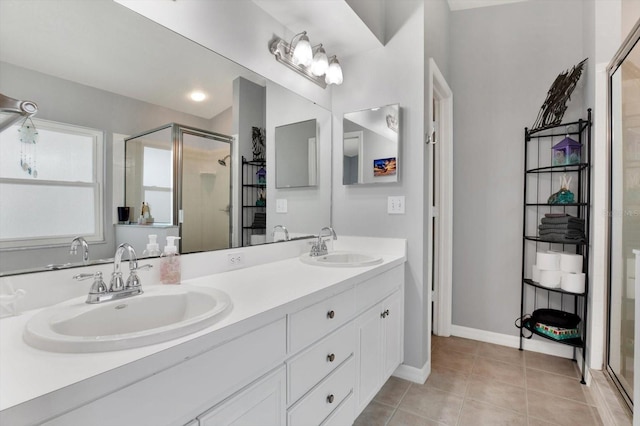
[198,96]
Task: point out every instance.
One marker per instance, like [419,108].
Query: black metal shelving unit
[541,179]
[250,195]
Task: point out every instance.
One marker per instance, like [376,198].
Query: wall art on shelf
[384,167]
[258,143]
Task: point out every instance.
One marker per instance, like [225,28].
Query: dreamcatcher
[28,140]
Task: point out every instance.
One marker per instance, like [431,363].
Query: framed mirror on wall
[624,215]
[371,145]
[99,93]
[297,154]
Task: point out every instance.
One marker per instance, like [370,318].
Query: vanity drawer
[318,404]
[344,414]
[373,290]
[310,324]
[312,365]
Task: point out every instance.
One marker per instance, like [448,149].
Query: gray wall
[503,61]
[72,103]
[384,76]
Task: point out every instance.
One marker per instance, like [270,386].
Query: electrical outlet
[235,260]
[395,205]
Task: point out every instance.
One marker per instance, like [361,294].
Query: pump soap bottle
[153,249]
[170,263]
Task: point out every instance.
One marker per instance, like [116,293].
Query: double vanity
[288,339]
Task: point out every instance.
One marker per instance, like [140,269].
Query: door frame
[440,90]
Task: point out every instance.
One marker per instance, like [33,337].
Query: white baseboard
[548,348]
[413,374]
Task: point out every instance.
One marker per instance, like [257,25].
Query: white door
[439,141]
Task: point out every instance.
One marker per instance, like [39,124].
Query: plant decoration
[564,196]
[258,142]
[555,105]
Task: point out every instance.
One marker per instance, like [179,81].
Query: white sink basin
[161,313]
[342,259]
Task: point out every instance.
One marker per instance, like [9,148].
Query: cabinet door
[392,332]
[368,356]
[261,404]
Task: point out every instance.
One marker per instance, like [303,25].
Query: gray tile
[563,411]
[453,360]
[551,364]
[476,413]
[433,404]
[497,370]
[563,386]
[403,418]
[501,353]
[375,414]
[448,380]
[392,391]
[455,344]
[499,394]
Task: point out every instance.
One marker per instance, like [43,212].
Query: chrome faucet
[320,247]
[85,248]
[117,289]
[286,233]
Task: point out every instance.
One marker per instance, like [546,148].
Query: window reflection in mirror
[371,145]
[296,154]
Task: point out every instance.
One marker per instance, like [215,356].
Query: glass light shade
[303,54]
[334,73]
[320,63]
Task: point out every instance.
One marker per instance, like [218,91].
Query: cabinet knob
[386,313]
[330,399]
[383,315]
[331,357]
[331,314]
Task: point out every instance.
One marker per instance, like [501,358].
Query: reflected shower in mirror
[296,154]
[371,145]
[195,196]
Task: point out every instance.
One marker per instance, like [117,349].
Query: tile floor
[476,383]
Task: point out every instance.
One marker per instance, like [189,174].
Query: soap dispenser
[170,263]
[153,249]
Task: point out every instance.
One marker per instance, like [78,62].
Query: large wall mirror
[100,66]
[371,145]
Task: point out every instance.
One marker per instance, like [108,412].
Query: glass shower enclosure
[624,211]
[184,175]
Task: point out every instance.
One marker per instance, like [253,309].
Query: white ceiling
[102,44]
[470,4]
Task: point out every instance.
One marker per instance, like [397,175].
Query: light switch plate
[281,205]
[395,205]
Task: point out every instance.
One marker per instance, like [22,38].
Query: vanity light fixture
[310,62]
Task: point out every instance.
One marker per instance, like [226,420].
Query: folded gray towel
[562,226]
[561,220]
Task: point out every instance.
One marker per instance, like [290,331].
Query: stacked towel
[259,220]
[562,228]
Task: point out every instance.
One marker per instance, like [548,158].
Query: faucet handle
[97,288]
[134,281]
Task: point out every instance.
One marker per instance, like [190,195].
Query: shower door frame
[632,40]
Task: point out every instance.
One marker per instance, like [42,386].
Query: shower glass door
[624,232]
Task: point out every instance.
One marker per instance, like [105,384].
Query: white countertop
[260,294]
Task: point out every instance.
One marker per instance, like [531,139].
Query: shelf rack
[250,189]
[540,181]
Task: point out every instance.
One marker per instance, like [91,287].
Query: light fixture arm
[291,46]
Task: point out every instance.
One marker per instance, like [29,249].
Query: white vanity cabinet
[261,403]
[379,331]
[316,364]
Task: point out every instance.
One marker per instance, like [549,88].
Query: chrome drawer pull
[331,357]
[330,399]
[331,314]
